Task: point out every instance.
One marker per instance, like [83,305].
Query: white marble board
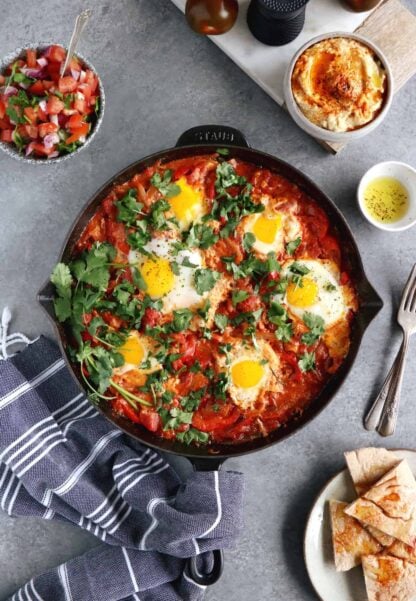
[266,65]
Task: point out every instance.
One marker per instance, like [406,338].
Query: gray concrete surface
[161,79]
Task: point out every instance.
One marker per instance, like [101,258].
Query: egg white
[330,303]
[246,397]
[183,293]
[148,363]
[289,230]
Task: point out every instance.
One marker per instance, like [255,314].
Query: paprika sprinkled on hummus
[339,84]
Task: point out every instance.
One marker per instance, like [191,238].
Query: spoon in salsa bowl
[80,23]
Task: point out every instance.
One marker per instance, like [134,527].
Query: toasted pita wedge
[350,539]
[385,540]
[399,549]
[390,505]
[367,466]
[389,578]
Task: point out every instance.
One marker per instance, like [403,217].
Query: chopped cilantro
[205,280]
[292,246]
[248,241]
[221,321]
[192,435]
[200,235]
[164,184]
[307,362]
[181,319]
[128,208]
[316,327]
[238,296]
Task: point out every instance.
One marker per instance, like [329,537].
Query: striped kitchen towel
[60,459]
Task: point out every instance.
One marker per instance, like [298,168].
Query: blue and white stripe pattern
[59,459]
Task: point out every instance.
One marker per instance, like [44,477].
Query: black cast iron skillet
[201,140]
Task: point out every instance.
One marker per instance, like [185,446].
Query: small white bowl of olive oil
[387,196]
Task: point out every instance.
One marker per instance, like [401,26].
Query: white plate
[327,582]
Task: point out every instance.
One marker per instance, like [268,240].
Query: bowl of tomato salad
[44,117]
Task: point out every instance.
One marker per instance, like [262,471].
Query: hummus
[339,84]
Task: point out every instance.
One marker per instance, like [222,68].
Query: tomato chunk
[37,88]
[6,135]
[56,53]
[31,58]
[67,84]
[75,122]
[47,128]
[215,416]
[32,131]
[54,105]
[150,419]
[30,113]
[79,133]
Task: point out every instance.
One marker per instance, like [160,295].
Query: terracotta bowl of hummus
[338,87]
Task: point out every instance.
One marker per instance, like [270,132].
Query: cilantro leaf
[307,362]
[188,263]
[329,287]
[248,241]
[223,151]
[297,272]
[174,417]
[181,319]
[93,266]
[284,332]
[203,311]
[164,184]
[221,321]
[128,208]
[292,246]
[227,177]
[200,235]
[273,264]
[61,278]
[62,308]
[316,327]
[238,296]
[22,78]
[278,315]
[205,280]
[138,239]
[157,218]
[192,435]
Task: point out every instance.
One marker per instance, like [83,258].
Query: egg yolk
[188,204]
[266,228]
[132,350]
[302,296]
[158,276]
[247,373]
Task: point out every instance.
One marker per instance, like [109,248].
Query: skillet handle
[191,568]
[213,134]
[45,298]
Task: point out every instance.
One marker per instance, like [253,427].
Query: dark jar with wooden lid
[360,6]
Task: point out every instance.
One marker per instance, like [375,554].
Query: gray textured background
[161,79]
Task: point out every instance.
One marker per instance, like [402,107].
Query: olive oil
[386,199]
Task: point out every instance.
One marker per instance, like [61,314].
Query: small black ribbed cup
[276,22]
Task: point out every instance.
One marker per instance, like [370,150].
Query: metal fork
[383,414]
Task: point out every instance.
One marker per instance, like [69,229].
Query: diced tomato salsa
[43,114]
